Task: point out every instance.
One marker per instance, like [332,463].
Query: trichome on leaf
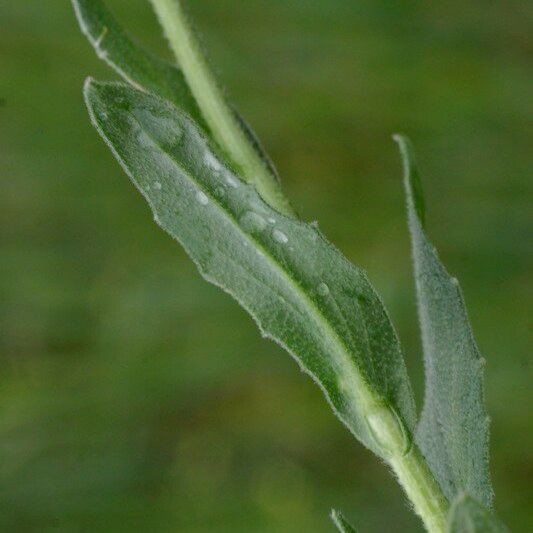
[211,186]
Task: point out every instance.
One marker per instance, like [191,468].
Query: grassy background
[135,397]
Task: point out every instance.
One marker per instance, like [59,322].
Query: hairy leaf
[342,524]
[257,145]
[129,60]
[453,428]
[469,516]
[142,70]
[299,289]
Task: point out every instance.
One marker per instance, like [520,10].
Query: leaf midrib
[366,395]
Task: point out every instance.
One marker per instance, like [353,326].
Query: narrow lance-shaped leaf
[143,70]
[226,129]
[129,60]
[256,143]
[453,428]
[342,524]
[468,516]
[299,289]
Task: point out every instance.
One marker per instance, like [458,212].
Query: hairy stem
[220,118]
[420,486]
[411,469]
[405,459]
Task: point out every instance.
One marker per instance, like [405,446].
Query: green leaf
[225,127]
[142,70]
[453,428]
[129,60]
[468,516]
[342,524]
[299,289]
[257,145]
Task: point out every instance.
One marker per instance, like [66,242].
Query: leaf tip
[90,92]
[88,84]
[107,93]
[412,182]
[95,100]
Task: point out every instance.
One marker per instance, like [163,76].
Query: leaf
[299,289]
[145,71]
[453,428]
[342,524]
[130,61]
[257,145]
[468,516]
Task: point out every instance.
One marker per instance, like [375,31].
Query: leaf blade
[299,289]
[130,61]
[142,70]
[468,516]
[453,428]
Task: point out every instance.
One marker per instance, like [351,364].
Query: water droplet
[271,220]
[212,162]
[232,182]
[323,289]
[253,222]
[280,237]
[202,198]
[158,186]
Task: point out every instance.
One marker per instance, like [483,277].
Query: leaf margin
[448,468]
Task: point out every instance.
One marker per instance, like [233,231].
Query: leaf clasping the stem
[224,125]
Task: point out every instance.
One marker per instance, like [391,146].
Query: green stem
[422,489]
[406,460]
[221,120]
[411,469]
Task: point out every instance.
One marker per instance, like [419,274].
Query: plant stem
[411,469]
[406,460]
[221,120]
[422,489]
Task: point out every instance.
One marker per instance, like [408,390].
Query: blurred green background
[134,396]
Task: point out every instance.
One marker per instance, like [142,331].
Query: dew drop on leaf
[253,222]
[201,198]
[212,162]
[280,237]
[232,182]
[323,289]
